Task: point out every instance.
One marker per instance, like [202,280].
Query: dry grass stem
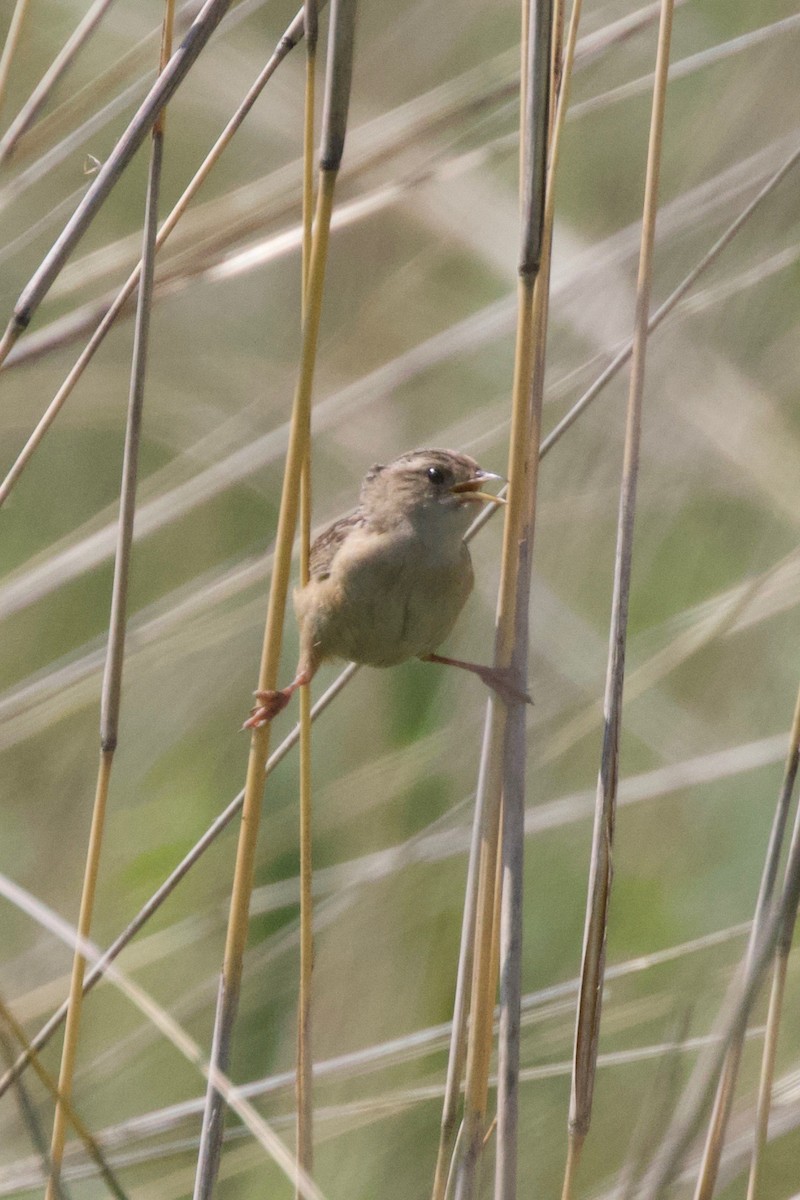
[510,646]
[112,677]
[415,349]
[600,870]
[337,95]
[304,1082]
[543,78]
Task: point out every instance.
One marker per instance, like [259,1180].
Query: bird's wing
[326,546]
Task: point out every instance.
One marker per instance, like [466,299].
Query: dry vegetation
[416,347]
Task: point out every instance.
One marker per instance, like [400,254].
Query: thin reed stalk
[767,1075]
[115,652]
[537,230]
[289,40]
[337,98]
[109,174]
[542,77]
[483,985]
[510,652]
[590,995]
[304,1076]
[723,1099]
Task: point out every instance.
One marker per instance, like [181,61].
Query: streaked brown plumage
[388,582]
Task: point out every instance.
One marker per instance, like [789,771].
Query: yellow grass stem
[484,980]
[510,639]
[718,1123]
[230,982]
[72,1027]
[484,986]
[519,510]
[600,871]
[767,1076]
[112,679]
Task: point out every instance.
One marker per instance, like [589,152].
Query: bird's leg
[499,679]
[273,702]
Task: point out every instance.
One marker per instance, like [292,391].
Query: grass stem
[600,871]
[337,94]
[112,677]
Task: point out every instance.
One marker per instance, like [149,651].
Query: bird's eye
[435,475]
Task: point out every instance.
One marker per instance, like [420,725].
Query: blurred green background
[416,350]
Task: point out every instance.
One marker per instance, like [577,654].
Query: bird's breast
[387,599]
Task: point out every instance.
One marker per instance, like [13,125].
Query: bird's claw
[502,681]
[272,703]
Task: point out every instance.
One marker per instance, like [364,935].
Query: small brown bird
[387,583]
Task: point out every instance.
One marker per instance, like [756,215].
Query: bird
[388,582]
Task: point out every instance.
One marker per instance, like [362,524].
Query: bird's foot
[270,704]
[273,702]
[501,680]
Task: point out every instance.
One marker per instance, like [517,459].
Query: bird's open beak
[469,489]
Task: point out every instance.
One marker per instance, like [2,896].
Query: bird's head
[437,491]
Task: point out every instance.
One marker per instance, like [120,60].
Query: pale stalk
[600,871]
[511,640]
[477,980]
[304,1070]
[545,121]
